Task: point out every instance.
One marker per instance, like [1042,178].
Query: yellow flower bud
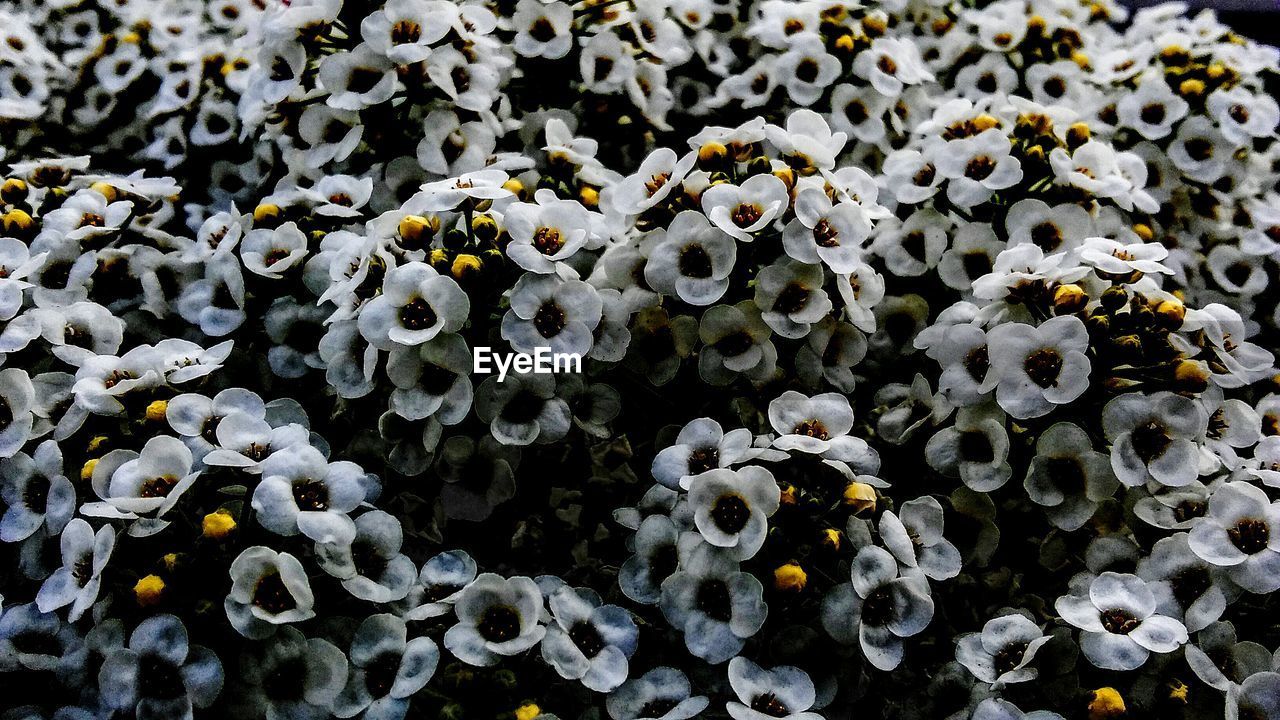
[1080,59]
[1077,135]
[1171,313]
[156,410]
[846,44]
[1178,691]
[464,266]
[105,190]
[1069,298]
[438,256]
[1191,375]
[528,711]
[789,495]
[985,122]
[790,577]
[874,25]
[218,524]
[589,196]
[831,539]
[1144,232]
[860,496]
[86,471]
[1191,87]
[1106,703]
[1216,71]
[266,213]
[14,190]
[170,561]
[149,590]
[484,227]
[712,154]
[16,222]
[417,229]
[95,443]
[514,186]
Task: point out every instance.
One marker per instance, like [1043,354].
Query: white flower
[496,617]
[1120,623]
[1039,367]
[746,209]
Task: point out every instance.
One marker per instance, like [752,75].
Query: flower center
[157,486]
[499,623]
[704,459]
[792,299]
[825,235]
[549,320]
[769,704]
[418,315]
[380,674]
[405,32]
[714,600]
[1009,657]
[746,215]
[1250,536]
[695,262]
[1119,622]
[811,428]
[1150,441]
[272,595]
[548,240]
[730,514]
[311,495]
[587,638]
[1043,366]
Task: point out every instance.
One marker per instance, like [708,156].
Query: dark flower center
[714,600]
[1250,536]
[405,32]
[1119,622]
[1153,114]
[792,299]
[363,80]
[499,624]
[807,70]
[1043,366]
[522,408]
[825,235]
[587,638]
[1190,584]
[159,678]
[418,315]
[1009,657]
[1199,149]
[157,486]
[272,595]
[311,495]
[657,708]
[542,30]
[36,494]
[980,168]
[704,459]
[663,561]
[695,262]
[978,362]
[769,704]
[734,344]
[975,447]
[925,175]
[1066,474]
[284,682]
[746,215]
[436,380]
[877,609]
[368,558]
[1150,440]
[549,320]
[914,244]
[1188,509]
[1239,113]
[380,674]
[730,513]
[548,240]
[1046,236]
[811,428]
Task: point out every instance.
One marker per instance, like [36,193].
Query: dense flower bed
[927,360]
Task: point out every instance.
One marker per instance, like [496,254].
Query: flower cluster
[926,360]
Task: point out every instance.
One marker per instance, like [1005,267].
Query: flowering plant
[924,360]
